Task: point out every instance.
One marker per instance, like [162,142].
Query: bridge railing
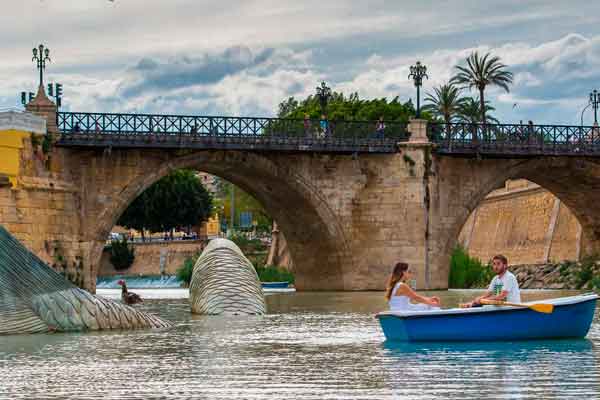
[514,139]
[145,130]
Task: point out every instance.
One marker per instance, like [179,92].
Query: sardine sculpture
[225,282]
[34,299]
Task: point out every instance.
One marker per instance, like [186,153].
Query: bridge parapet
[234,133]
[515,140]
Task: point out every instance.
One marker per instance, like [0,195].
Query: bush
[247,245]
[273,273]
[184,273]
[595,283]
[583,276]
[121,254]
[467,272]
[565,266]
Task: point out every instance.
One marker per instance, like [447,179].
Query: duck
[128,297]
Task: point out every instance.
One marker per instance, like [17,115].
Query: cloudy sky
[244,57]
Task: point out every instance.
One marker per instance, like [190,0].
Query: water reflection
[530,369]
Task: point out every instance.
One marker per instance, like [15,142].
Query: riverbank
[583,275]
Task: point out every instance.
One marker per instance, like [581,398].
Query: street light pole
[417,73]
[595,101]
[40,56]
[323,93]
[232,208]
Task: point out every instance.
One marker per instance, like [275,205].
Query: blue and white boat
[275,285]
[571,318]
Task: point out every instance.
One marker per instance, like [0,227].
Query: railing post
[418,131]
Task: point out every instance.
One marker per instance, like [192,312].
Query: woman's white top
[402,303]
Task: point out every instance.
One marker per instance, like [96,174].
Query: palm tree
[481,72]
[445,102]
[470,112]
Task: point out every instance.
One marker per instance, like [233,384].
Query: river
[309,346]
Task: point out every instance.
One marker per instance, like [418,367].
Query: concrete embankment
[154,258]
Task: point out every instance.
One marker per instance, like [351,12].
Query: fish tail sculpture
[34,299]
[225,282]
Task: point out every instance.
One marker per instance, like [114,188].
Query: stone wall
[158,258]
[526,223]
[565,275]
[40,204]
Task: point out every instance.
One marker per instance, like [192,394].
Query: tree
[177,200]
[445,102]
[481,72]
[470,112]
[349,108]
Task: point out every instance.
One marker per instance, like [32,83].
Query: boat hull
[275,285]
[570,319]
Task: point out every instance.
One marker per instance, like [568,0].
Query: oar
[540,307]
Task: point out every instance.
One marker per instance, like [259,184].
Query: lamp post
[595,101]
[41,55]
[323,93]
[417,73]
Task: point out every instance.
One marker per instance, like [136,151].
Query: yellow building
[210,228]
[16,126]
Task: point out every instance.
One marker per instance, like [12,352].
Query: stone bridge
[347,217]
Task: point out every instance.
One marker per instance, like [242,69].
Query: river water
[309,346]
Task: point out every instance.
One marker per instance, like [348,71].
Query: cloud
[139,56]
[551,79]
[185,71]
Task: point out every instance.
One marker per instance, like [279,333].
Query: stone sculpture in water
[34,299]
[225,282]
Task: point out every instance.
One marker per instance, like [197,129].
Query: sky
[242,58]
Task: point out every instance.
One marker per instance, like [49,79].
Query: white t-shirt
[509,283]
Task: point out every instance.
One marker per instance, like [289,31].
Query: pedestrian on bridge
[380,128]
[307,124]
[324,124]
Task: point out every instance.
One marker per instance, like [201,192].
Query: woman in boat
[399,294]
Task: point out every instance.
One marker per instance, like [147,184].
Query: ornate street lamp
[41,55]
[595,101]
[417,73]
[324,94]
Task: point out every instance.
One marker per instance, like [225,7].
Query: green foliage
[247,245]
[480,72]
[175,201]
[47,143]
[273,273]
[469,112]
[467,272]
[408,159]
[445,102]
[121,254]
[595,283]
[565,267]
[35,141]
[184,273]
[585,274]
[349,108]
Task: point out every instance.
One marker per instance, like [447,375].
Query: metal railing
[238,133]
[515,139]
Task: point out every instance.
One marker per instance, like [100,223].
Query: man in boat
[504,286]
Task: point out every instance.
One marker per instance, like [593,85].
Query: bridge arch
[315,238]
[574,181]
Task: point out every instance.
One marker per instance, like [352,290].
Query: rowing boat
[571,318]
